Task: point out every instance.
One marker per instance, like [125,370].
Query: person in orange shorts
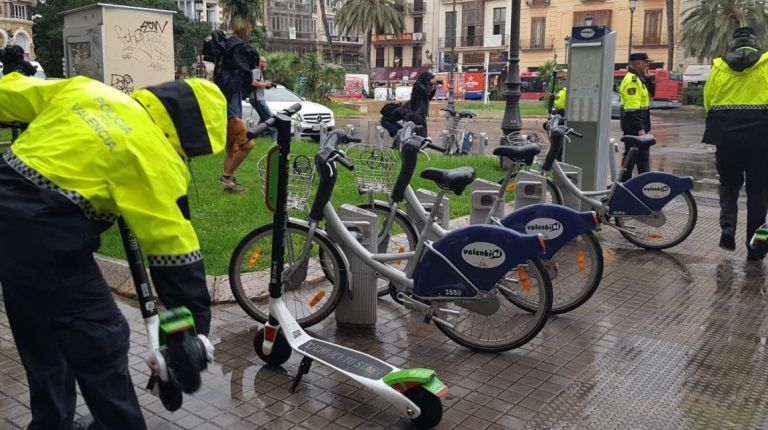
[238,145]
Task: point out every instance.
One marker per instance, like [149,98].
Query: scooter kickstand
[306,363]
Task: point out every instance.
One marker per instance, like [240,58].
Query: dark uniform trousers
[64,320]
[733,163]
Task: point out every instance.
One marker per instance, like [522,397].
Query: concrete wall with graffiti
[127,48]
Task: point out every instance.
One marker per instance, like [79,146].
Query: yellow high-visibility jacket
[560,99]
[635,104]
[736,98]
[114,155]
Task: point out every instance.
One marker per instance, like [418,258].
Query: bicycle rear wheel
[478,327]
[576,270]
[308,293]
[401,237]
[680,214]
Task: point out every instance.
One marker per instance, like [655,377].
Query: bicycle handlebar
[261,128]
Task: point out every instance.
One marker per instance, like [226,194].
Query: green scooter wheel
[281,350]
[430,405]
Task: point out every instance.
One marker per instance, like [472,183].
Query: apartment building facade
[16,25]
[477,32]
[412,48]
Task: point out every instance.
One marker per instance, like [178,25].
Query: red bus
[533,87]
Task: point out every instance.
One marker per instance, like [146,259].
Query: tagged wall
[124,47]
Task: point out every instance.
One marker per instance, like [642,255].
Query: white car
[307,122]
[39,74]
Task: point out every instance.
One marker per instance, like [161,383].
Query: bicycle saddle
[523,154]
[449,110]
[640,141]
[454,180]
[467,114]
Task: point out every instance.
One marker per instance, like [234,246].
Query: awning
[697,73]
[397,73]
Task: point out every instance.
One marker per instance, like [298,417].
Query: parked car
[342,95]
[615,106]
[307,121]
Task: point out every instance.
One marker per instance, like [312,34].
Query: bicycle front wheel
[308,293]
[576,270]
[680,215]
[401,237]
[496,324]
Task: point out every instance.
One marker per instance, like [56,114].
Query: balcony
[291,6]
[538,3]
[418,8]
[285,34]
[346,39]
[530,45]
[493,41]
[402,39]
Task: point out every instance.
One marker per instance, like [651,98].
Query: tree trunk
[368,49]
[670,34]
[325,27]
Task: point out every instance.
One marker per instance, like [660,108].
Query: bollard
[427,199]
[484,193]
[574,175]
[483,142]
[380,136]
[529,189]
[358,310]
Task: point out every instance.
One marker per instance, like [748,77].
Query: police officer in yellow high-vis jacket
[560,100]
[736,101]
[90,155]
[636,90]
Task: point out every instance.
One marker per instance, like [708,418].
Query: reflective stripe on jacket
[736,103]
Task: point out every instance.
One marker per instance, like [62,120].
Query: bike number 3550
[452,292]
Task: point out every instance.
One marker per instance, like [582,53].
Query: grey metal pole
[512,121]
[451,94]
[631,21]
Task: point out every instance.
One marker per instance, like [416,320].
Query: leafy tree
[317,78]
[367,16]
[283,68]
[258,40]
[708,26]
[49,42]
[243,15]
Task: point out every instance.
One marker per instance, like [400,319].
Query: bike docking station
[416,392]
[357,308]
[588,109]
[427,198]
[484,193]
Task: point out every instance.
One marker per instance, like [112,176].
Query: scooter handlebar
[290,110]
[344,161]
[354,139]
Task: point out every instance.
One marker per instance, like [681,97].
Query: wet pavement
[670,340]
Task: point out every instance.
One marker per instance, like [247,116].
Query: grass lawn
[339,110]
[5,134]
[527,107]
[222,219]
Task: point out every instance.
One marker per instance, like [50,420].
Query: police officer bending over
[736,101]
[636,90]
[92,154]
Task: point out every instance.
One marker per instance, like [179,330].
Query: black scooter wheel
[431,407]
[281,350]
[186,355]
[170,392]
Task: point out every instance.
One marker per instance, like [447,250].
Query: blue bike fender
[558,224]
[654,189]
[484,254]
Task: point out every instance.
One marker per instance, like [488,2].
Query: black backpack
[389,109]
[234,59]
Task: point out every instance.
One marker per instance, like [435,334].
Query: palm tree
[367,16]
[708,27]
[243,15]
[324,17]
[319,78]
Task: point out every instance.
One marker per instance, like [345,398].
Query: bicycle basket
[374,168]
[301,172]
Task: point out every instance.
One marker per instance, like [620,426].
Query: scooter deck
[345,359]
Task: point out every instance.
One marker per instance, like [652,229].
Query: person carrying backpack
[391,116]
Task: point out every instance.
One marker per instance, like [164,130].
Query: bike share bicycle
[464,282]
[414,392]
[456,123]
[573,258]
[653,210]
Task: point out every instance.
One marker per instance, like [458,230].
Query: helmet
[192,113]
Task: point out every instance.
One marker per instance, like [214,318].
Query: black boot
[728,241]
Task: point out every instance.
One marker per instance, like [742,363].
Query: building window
[652,27]
[20,12]
[472,22]
[331,27]
[379,56]
[538,27]
[418,24]
[450,29]
[398,56]
[188,7]
[599,17]
[212,15]
[416,56]
[499,20]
